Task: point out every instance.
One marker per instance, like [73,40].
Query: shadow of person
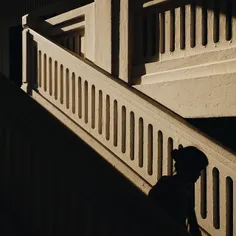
[175,194]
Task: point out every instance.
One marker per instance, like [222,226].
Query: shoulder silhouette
[175,194]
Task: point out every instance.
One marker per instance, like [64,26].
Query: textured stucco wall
[210,96]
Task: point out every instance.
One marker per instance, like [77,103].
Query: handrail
[81,11]
[140,132]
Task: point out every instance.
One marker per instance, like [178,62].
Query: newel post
[25,54]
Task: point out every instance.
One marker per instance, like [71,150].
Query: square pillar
[103,34]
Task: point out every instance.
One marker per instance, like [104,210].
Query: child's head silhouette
[189,162]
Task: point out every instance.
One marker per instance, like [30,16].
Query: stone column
[125,43]
[103,34]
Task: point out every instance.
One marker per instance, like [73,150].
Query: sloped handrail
[138,131]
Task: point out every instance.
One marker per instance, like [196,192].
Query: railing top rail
[81,11]
[153,2]
[56,25]
[139,101]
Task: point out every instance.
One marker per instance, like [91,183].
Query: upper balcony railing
[70,30]
[168,30]
[137,131]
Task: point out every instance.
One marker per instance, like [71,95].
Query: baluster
[210,27]
[165,163]
[187,27]
[167,32]
[82,41]
[198,198]
[210,195]
[233,23]
[222,19]
[198,27]
[223,200]
[177,30]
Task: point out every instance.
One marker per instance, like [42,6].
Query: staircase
[128,129]
[52,183]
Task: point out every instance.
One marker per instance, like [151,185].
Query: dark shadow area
[223,130]
[15,44]
[53,183]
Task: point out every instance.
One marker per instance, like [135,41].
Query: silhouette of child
[175,194]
